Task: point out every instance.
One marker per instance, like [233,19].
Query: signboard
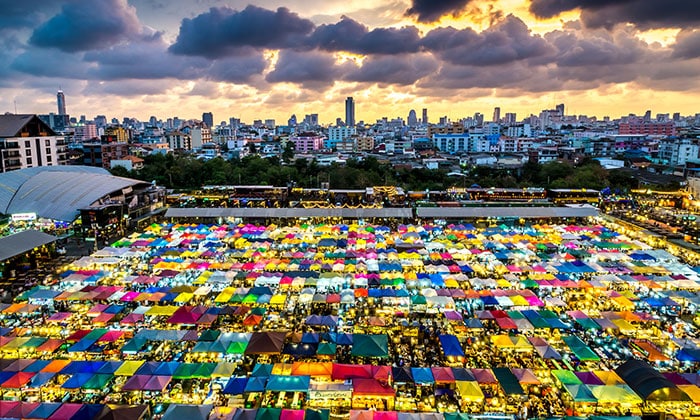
[329,395]
[23,217]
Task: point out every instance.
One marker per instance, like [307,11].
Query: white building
[338,134]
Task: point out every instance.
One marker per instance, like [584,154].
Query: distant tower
[560,109]
[425,116]
[497,114]
[350,111]
[412,118]
[61,100]
[208,119]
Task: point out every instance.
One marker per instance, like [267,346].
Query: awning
[281,383]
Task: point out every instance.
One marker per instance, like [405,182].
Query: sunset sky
[273,58]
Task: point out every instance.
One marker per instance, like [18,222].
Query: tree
[288,153]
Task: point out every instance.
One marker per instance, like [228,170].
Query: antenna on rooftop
[15,101]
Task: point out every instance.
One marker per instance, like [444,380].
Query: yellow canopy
[470,391]
[128,368]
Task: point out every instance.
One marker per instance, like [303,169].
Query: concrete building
[178,140]
[461,143]
[101,154]
[307,142]
[338,134]
[650,128]
[85,132]
[675,152]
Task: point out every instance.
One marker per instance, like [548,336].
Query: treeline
[186,173]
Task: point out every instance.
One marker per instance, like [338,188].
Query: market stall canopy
[270,342]
[648,383]
[370,345]
[22,242]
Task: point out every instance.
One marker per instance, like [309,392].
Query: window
[48,142]
[48,150]
[28,152]
[48,158]
[26,143]
[29,161]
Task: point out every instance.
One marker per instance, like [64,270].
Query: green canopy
[314,414]
[237,347]
[579,348]
[370,345]
[418,300]
[98,381]
[204,370]
[326,349]
[566,377]
[209,335]
[95,334]
[580,393]
[588,323]
[186,371]
[268,413]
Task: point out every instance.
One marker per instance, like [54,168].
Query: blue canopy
[422,375]
[77,380]
[255,384]
[44,410]
[236,385]
[451,345]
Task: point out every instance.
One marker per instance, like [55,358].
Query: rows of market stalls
[561,319]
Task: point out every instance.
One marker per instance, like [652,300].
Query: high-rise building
[510,118]
[412,119]
[425,116]
[208,119]
[292,121]
[560,109]
[61,100]
[497,114]
[349,111]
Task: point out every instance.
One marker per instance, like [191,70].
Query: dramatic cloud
[223,31]
[240,69]
[401,70]
[352,36]
[87,25]
[598,48]
[607,13]
[507,41]
[45,63]
[21,14]
[432,10]
[143,60]
[315,70]
[687,44]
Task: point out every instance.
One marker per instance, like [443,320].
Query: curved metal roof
[57,192]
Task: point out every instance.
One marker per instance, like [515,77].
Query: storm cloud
[222,31]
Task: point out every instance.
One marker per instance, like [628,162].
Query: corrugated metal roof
[522,212]
[57,192]
[289,213]
[21,242]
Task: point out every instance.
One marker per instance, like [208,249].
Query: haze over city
[275,58]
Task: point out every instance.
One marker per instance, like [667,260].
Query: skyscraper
[349,111]
[208,119]
[497,114]
[560,109]
[61,99]
[425,116]
[412,119]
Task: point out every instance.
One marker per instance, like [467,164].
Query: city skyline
[279,58]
